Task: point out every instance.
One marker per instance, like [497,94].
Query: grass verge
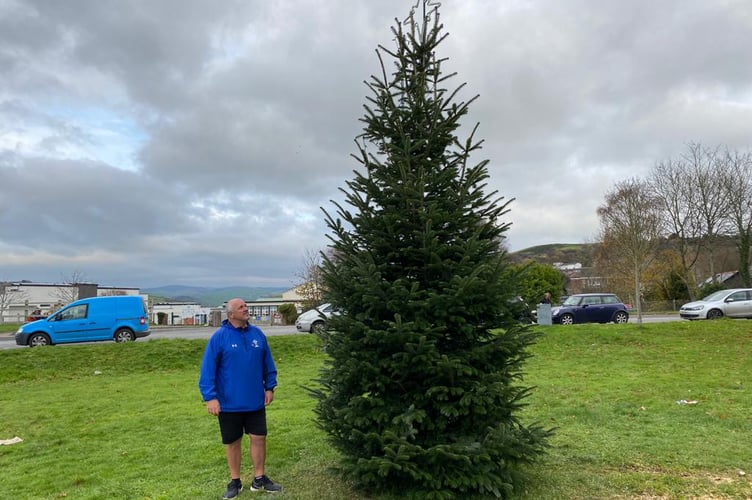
[126,420]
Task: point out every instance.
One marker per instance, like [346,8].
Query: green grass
[126,420]
[8,328]
[612,391]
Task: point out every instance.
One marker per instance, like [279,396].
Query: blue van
[120,318]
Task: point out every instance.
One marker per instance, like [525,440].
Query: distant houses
[24,300]
[262,310]
[581,279]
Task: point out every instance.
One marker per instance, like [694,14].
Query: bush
[289,313]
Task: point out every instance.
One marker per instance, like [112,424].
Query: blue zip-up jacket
[237,368]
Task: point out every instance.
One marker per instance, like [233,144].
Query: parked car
[119,318]
[35,315]
[314,320]
[590,308]
[732,303]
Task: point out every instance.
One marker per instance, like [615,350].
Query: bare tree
[680,215]
[736,180]
[705,173]
[9,294]
[631,230]
[311,286]
[67,291]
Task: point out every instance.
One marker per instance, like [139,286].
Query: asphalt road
[656,318]
[204,332]
[166,332]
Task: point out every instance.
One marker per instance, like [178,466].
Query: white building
[22,299]
[180,313]
[264,309]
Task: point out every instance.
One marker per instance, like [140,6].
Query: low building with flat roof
[21,300]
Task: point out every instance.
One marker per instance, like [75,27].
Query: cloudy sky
[156,142]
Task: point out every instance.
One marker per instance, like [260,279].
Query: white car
[314,320]
[732,303]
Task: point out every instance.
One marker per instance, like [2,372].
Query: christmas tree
[421,392]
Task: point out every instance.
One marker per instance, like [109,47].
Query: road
[166,332]
[656,318]
[204,332]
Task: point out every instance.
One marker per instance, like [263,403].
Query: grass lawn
[126,420]
[8,328]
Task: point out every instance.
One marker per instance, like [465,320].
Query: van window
[75,312]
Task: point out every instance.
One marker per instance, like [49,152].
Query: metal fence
[659,306]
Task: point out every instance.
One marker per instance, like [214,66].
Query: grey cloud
[244,114]
[66,205]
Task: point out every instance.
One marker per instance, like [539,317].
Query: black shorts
[233,425]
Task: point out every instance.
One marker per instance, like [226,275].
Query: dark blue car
[590,308]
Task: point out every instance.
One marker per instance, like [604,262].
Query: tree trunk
[638,298]
[745,240]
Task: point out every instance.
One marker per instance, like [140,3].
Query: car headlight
[20,329]
[694,308]
[555,311]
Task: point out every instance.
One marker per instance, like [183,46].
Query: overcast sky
[157,142]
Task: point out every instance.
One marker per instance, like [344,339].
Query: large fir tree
[421,393]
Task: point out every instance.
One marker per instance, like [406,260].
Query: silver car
[732,303]
[314,319]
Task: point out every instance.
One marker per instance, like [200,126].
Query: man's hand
[212,406]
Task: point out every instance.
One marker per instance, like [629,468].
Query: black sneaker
[263,483]
[234,488]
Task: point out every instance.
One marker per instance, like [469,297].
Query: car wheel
[715,314]
[567,319]
[621,317]
[39,339]
[318,327]
[124,335]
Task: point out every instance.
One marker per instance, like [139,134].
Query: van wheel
[124,335]
[38,339]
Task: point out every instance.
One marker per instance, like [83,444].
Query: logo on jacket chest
[254,343]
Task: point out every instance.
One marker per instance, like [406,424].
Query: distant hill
[566,253]
[208,296]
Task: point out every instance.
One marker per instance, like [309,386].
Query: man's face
[238,311]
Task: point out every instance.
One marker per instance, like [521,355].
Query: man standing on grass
[237,383]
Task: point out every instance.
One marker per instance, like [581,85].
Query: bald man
[237,382]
